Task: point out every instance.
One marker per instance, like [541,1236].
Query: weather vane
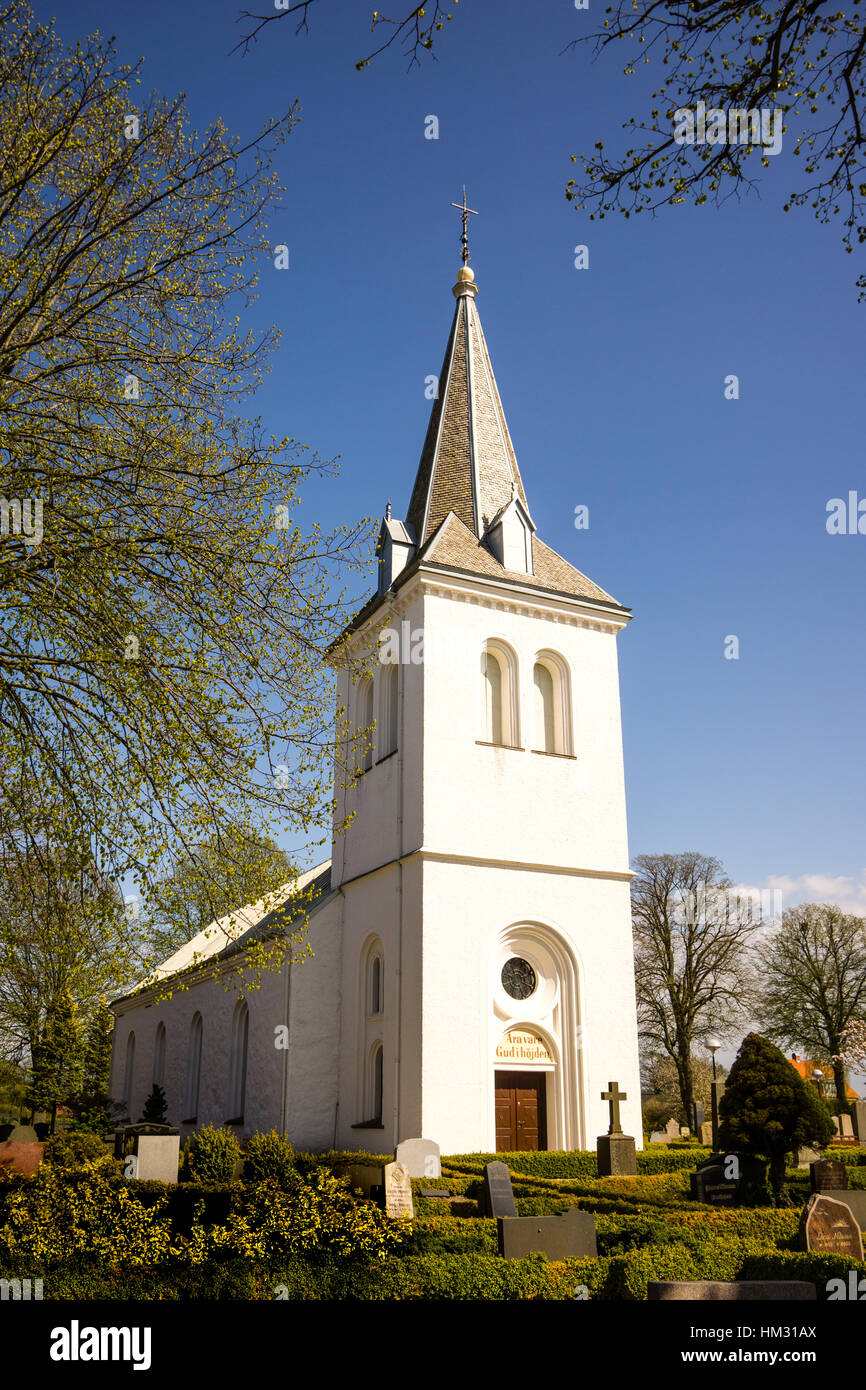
[465,211]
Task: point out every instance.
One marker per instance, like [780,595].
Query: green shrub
[60,1215]
[268,1156]
[75,1149]
[212,1155]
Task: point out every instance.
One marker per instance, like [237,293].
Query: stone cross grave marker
[566,1237]
[498,1199]
[829,1228]
[421,1157]
[615,1151]
[398,1191]
[828,1172]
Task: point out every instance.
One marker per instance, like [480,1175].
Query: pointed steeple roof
[468,464]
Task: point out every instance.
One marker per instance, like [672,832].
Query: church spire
[468,464]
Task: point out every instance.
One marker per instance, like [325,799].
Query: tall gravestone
[498,1196]
[860,1120]
[615,1150]
[421,1157]
[697,1116]
[398,1191]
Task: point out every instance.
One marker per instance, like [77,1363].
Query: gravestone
[723,1182]
[847,1127]
[697,1116]
[741,1290]
[157,1157]
[615,1151]
[860,1120]
[23,1134]
[658,1136]
[854,1199]
[442,1194]
[828,1172]
[566,1237]
[421,1157]
[804,1157]
[707,1133]
[672,1130]
[498,1197]
[398,1191]
[835,1119]
[828,1227]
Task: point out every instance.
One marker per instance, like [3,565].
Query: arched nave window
[193,1071]
[552,690]
[374,984]
[377,1075]
[389,695]
[128,1075]
[159,1056]
[364,724]
[499,707]
[238,1062]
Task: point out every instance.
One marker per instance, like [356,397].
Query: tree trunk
[839,1079]
[777,1180]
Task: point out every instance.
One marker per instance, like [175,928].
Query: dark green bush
[74,1149]
[268,1156]
[211,1155]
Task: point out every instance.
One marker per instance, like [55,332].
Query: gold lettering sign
[522,1046]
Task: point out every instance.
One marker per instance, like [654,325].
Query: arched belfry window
[238,1063]
[129,1073]
[364,724]
[159,1056]
[499,706]
[193,1071]
[389,696]
[551,681]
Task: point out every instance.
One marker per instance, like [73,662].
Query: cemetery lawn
[647,1228]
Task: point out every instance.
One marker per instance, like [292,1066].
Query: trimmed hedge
[552,1163]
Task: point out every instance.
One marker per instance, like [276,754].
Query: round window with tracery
[518,978]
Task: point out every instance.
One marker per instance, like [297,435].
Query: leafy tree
[800,56]
[97,1051]
[813,982]
[154,1111]
[691,970]
[661,1086]
[163,625]
[57,1058]
[768,1110]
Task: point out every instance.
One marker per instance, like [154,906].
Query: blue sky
[707,516]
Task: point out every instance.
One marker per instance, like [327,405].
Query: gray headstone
[615,1154]
[156,1158]
[697,1116]
[707,1133]
[826,1173]
[23,1134]
[421,1157]
[658,1137]
[835,1119]
[805,1156]
[744,1290]
[398,1191]
[828,1227]
[566,1237]
[672,1128]
[847,1127]
[498,1199]
[860,1120]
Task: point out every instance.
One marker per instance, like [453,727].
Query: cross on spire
[465,211]
[614,1095]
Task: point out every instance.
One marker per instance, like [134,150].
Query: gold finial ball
[465,283]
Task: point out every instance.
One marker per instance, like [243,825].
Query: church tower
[486,971]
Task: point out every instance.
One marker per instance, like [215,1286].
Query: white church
[472,976]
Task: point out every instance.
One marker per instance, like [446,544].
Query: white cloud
[848,893]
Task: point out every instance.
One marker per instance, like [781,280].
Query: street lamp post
[716,1088]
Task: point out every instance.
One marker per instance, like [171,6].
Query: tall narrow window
[545,716]
[193,1071]
[553,722]
[128,1075]
[388,721]
[500,721]
[491,690]
[365,721]
[159,1056]
[238,1063]
[375,988]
